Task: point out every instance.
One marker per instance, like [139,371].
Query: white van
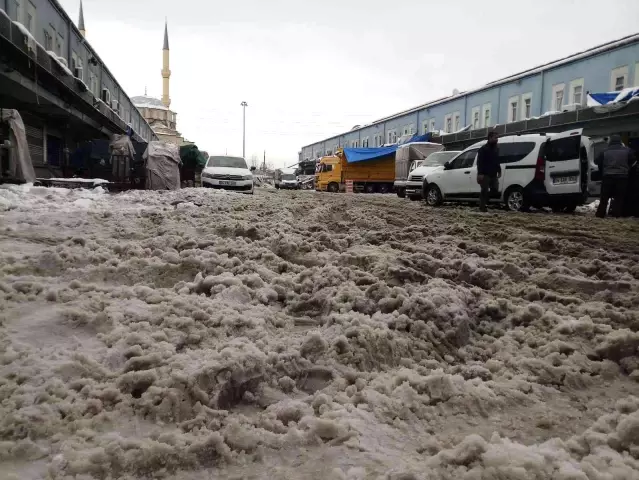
[538,170]
[594,147]
[286,178]
[435,161]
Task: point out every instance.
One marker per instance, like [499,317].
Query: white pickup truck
[408,157]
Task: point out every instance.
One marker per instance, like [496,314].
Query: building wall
[54,30]
[592,73]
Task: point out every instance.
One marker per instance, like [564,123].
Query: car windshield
[288,176]
[438,158]
[230,162]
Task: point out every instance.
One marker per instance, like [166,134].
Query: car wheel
[434,196]
[383,188]
[401,192]
[370,188]
[333,187]
[515,199]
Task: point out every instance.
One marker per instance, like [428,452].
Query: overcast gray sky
[310,69]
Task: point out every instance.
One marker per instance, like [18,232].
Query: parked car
[538,170]
[286,178]
[228,173]
[435,161]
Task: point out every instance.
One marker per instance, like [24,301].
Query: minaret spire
[81,21]
[166,72]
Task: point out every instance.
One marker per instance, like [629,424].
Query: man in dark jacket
[614,164]
[488,169]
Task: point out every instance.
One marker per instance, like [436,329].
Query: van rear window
[563,149]
[513,152]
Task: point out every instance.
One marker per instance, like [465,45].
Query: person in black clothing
[488,169]
[614,164]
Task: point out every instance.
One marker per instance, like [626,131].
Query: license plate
[226,182]
[564,180]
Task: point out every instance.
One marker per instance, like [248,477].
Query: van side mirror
[446,165]
[253,168]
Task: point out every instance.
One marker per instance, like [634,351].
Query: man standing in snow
[614,164]
[488,169]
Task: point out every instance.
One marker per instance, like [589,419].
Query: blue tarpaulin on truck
[354,155]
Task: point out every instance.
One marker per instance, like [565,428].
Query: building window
[431,127]
[59,42]
[577,91]
[557,97]
[424,127]
[487,115]
[526,104]
[31,17]
[365,142]
[513,109]
[93,83]
[48,41]
[18,8]
[76,66]
[619,78]
[457,121]
[559,100]
[527,108]
[474,115]
[448,123]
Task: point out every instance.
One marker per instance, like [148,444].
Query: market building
[54,78]
[526,101]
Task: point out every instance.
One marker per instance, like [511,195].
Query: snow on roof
[24,30]
[532,71]
[61,61]
[144,101]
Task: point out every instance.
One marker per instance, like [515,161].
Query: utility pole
[244,105]
[264,167]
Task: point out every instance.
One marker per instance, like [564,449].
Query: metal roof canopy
[623,120]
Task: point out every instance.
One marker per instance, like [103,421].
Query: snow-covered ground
[207,335]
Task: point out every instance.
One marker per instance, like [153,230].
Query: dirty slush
[294,335]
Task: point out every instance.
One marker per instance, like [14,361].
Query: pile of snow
[28,198]
[198,334]
[93,181]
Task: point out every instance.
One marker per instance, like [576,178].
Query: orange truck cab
[371,176]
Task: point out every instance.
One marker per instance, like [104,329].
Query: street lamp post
[244,105]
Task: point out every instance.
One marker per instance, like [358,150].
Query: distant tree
[254,161]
